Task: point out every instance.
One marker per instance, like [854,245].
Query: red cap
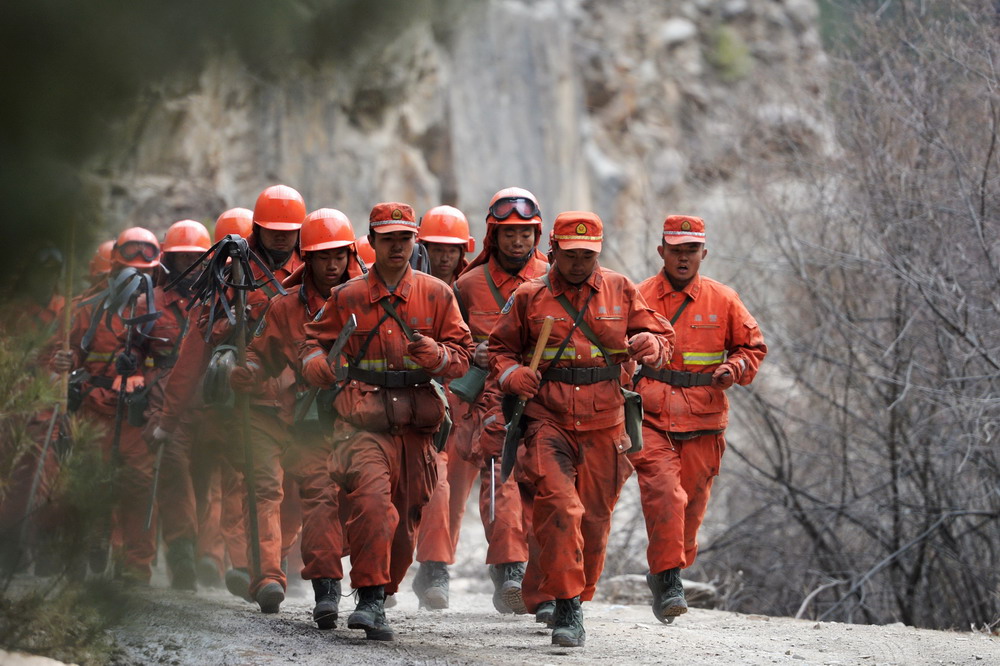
[578,230]
[680,229]
[392,216]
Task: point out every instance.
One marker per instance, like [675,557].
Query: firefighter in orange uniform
[327,245]
[100,350]
[389,412]
[444,232]
[575,440]
[718,344]
[278,215]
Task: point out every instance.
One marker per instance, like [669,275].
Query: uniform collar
[310,295]
[531,269]
[692,289]
[377,288]
[560,285]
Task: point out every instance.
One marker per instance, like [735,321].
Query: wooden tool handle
[543,338]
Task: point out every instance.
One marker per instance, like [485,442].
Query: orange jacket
[616,312]
[429,308]
[476,299]
[714,328]
[183,387]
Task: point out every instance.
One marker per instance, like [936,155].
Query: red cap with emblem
[392,216]
[680,229]
[578,230]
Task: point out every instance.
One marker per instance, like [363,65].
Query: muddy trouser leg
[135,483]
[658,468]
[506,534]
[322,541]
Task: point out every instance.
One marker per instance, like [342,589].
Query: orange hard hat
[446,224]
[187,236]
[325,229]
[514,205]
[281,208]
[237,221]
[365,251]
[136,247]
[100,263]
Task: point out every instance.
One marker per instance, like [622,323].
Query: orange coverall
[270,413]
[575,439]
[383,456]
[683,426]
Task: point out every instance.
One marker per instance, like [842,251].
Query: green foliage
[729,54]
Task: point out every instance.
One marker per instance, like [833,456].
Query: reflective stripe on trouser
[675,482]
[388,479]
[577,478]
[322,544]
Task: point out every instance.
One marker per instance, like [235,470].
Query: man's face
[681,262]
[327,267]
[181,261]
[444,258]
[392,249]
[515,241]
[574,265]
[277,241]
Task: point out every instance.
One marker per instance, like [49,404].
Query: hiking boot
[431,585]
[208,572]
[507,579]
[180,563]
[269,597]
[567,629]
[327,591]
[370,615]
[545,613]
[238,583]
[668,594]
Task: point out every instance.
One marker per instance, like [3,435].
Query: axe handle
[543,338]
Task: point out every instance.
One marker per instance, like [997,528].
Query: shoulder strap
[461,306]
[501,301]
[390,309]
[577,319]
[677,315]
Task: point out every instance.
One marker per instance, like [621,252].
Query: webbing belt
[677,378]
[389,379]
[583,376]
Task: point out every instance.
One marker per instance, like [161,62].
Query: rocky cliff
[633,109]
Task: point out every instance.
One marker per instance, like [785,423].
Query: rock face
[633,109]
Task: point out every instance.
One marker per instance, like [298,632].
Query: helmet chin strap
[274,258]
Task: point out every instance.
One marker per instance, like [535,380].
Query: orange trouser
[388,479]
[675,481]
[277,523]
[577,477]
[322,545]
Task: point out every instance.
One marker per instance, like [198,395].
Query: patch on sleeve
[508,305]
[261,325]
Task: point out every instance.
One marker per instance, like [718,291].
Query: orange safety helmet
[238,221]
[136,247]
[523,208]
[100,263]
[187,236]
[446,224]
[325,229]
[281,208]
[365,251]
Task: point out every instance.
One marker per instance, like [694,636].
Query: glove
[724,376]
[126,364]
[243,379]
[646,349]
[523,382]
[425,352]
[482,356]
[62,361]
[317,371]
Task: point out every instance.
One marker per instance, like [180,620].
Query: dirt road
[169,627]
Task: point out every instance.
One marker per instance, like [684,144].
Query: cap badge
[581,228]
[685,226]
[397,214]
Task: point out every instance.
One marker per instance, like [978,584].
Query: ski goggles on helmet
[138,250]
[523,207]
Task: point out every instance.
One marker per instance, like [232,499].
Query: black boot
[208,572]
[180,562]
[668,594]
[507,579]
[567,630]
[431,585]
[546,613]
[238,583]
[370,615]
[327,591]
[270,596]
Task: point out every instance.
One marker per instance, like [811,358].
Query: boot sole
[674,606]
[326,621]
[566,641]
[380,634]
[270,600]
[238,585]
[434,598]
[511,593]
[360,622]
